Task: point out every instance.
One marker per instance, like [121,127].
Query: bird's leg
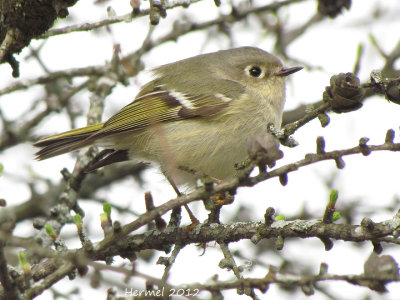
[218,198]
[221,198]
[193,219]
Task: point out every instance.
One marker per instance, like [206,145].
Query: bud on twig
[389,136]
[365,150]
[320,145]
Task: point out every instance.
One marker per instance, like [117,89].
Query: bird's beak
[287,71]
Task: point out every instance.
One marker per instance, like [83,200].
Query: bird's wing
[163,105]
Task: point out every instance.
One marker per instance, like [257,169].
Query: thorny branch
[178,31]
[243,180]
[113,20]
[255,231]
[238,15]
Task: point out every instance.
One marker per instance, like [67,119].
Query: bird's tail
[65,142]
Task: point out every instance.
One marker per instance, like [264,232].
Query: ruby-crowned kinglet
[199,116]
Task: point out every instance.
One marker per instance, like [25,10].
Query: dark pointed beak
[287,71]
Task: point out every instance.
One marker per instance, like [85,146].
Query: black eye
[255,71]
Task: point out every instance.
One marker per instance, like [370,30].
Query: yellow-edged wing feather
[158,105]
[81,133]
[65,142]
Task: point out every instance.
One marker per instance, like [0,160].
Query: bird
[198,117]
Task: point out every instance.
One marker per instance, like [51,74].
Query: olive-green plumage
[198,114]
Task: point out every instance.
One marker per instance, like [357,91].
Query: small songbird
[199,116]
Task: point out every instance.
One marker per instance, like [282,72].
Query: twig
[285,38]
[129,17]
[201,193]
[6,43]
[229,260]
[376,45]
[222,233]
[68,74]
[184,28]
[313,158]
[10,290]
[59,273]
[178,247]
[119,19]
[290,279]
[357,64]
[289,129]
[247,230]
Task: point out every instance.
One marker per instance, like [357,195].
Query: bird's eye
[255,71]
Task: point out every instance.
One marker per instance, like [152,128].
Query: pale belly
[186,151]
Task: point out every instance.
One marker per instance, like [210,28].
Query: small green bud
[50,231]
[1,169]
[23,262]
[78,221]
[103,218]
[280,217]
[107,208]
[333,196]
[336,216]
